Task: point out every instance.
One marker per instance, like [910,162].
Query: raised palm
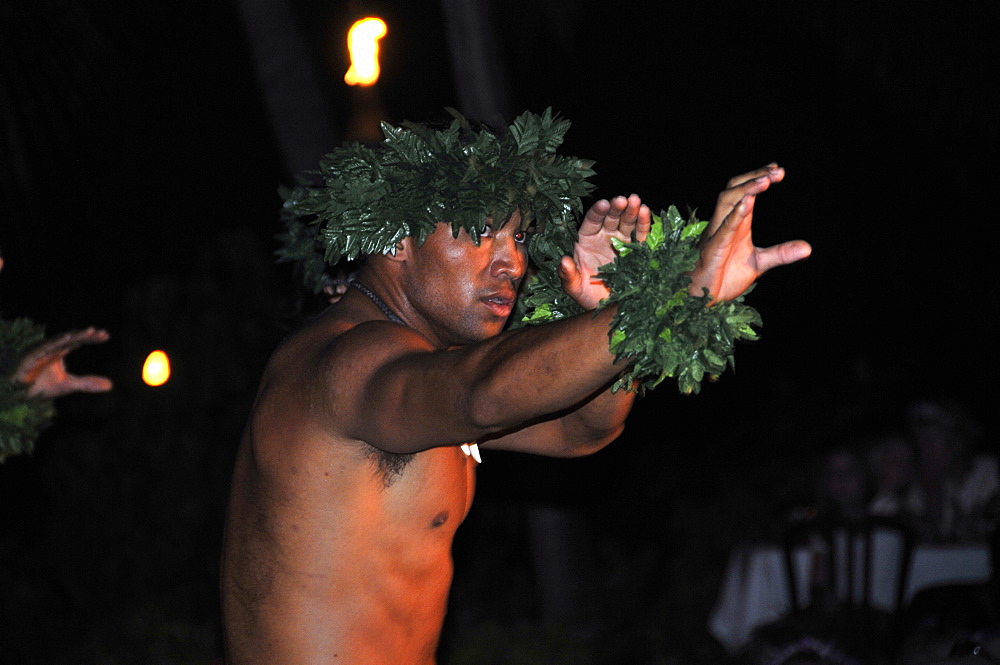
[625,218]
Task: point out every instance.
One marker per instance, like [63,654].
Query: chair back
[848,564]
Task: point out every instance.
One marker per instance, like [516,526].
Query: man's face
[466,293]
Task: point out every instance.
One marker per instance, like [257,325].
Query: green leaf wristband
[658,325]
[22,417]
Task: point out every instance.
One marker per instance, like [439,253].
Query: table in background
[755,587]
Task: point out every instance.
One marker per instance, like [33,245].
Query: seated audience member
[958,486]
[893,472]
[844,486]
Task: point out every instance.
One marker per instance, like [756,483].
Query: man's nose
[510,259]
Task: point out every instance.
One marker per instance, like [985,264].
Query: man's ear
[403,249]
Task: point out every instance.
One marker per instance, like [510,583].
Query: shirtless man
[351,478]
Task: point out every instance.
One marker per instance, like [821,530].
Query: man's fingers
[729,198]
[630,216]
[593,221]
[771,171]
[643,223]
[620,214]
[752,183]
[783,254]
[738,215]
[720,246]
[619,208]
[569,275]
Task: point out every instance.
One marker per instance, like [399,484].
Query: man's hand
[44,368]
[618,218]
[729,261]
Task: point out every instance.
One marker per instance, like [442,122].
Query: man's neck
[381,304]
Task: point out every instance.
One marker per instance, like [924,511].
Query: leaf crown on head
[366,199]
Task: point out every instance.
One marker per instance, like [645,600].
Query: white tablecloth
[755,590]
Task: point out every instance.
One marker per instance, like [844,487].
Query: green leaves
[21,417]
[17,337]
[364,200]
[533,133]
[656,235]
[663,330]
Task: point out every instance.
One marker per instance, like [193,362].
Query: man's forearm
[552,367]
[581,430]
[599,421]
[498,385]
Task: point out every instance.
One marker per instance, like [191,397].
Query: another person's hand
[334,291]
[43,370]
[729,261]
[617,218]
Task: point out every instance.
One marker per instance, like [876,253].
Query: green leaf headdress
[365,199]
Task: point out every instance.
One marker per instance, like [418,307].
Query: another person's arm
[44,371]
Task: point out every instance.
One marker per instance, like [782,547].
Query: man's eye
[487,232]
[521,237]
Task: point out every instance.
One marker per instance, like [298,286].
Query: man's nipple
[439,519]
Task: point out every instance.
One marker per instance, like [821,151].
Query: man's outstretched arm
[599,419]
[415,397]
[728,265]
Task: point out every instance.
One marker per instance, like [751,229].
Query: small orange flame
[156,369]
[362,42]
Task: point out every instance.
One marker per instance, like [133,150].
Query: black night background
[140,168]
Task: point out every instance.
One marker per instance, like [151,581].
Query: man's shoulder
[341,344]
[348,331]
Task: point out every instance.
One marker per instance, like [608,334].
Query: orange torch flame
[156,369]
[362,42]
